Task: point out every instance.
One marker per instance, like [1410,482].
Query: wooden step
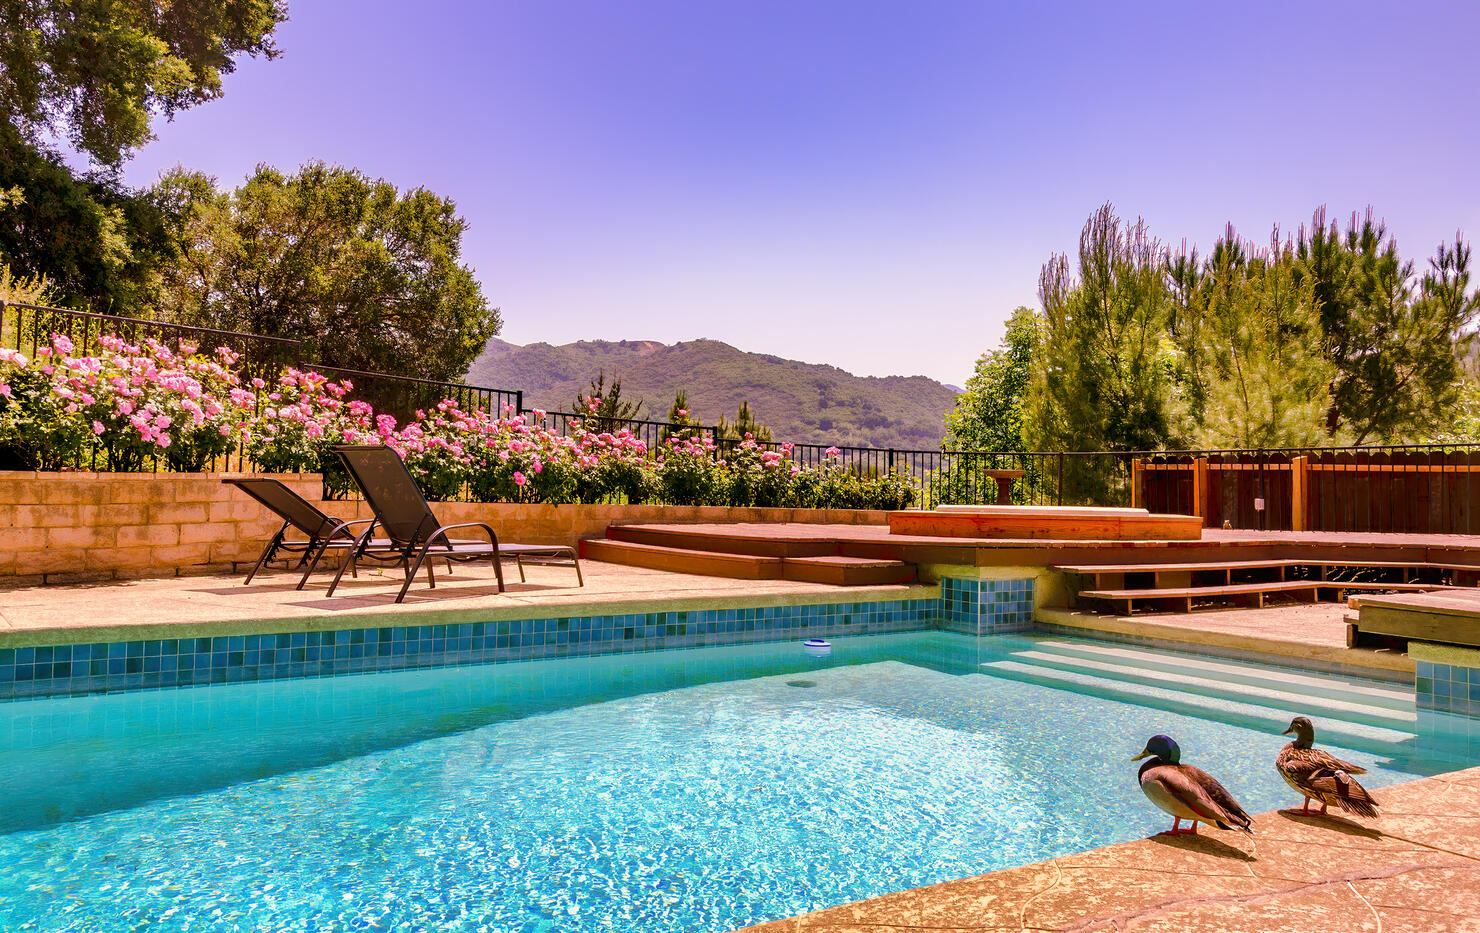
[1192,567]
[847,571]
[1258,590]
[683,560]
[831,569]
[1197,566]
[708,538]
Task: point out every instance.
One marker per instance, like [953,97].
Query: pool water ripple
[693,808]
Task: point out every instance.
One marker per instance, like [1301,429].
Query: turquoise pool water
[697,790]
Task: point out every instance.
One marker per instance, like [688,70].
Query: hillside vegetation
[800,402]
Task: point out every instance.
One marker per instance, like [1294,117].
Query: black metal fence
[938,476]
[1397,488]
[28,327]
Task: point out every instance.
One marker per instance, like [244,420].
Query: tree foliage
[369,277]
[100,244]
[23,289]
[1104,377]
[989,414]
[1255,373]
[1390,334]
[1327,338]
[679,413]
[97,72]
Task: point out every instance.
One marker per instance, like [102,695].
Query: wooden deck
[1450,617]
[876,541]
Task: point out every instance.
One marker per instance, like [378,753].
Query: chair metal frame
[416,537]
[322,532]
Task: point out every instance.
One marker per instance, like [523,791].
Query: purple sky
[873,185]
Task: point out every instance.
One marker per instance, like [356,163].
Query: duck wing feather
[1327,779]
[1327,760]
[1202,794]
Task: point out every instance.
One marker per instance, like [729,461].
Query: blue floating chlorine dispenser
[817,647]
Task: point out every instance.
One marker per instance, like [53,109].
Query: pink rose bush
[290,424]
[126,404]
[140,406]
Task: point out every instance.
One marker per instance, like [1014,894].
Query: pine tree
[744,424]
[603,409]
[1263,373]
[1106,372]
[1392,338]
[680,414]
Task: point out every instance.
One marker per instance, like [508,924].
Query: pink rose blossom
[518,478]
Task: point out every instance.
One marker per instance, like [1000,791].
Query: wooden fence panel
[1401,492]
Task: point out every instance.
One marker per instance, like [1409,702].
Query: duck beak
[1289,731]
[1144,754]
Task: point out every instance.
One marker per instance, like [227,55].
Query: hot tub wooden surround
[1058,523]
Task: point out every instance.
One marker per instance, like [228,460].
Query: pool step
[1312,703]
[1271,716]
[1213,671]
[831,569]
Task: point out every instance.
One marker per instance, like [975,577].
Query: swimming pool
[692,790]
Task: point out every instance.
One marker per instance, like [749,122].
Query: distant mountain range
[801,402]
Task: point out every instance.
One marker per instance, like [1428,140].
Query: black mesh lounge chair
[321,532]
[412,532]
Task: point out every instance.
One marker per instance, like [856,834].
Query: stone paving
[1416,868]
[174,607]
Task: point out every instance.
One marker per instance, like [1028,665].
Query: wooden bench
[1099,571]
[1257,590]
[1182,572]
[1451,617]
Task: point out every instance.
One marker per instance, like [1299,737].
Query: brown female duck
[1320,775]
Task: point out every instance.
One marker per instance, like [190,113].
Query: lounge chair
[413,535]
[321,532]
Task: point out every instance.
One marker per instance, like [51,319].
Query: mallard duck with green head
[1187,792]
[1319,775]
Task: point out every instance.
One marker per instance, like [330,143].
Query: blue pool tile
[166,663]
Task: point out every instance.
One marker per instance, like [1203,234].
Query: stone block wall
[73,527]
[81,527]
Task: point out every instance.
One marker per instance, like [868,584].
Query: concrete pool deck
[178,607]
[1415,869]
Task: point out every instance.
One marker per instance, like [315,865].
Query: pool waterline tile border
[1447,688]
[166,663]
[964,605]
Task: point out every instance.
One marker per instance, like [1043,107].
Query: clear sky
[873,185]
